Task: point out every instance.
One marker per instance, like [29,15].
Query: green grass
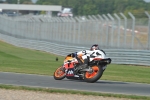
[21,60]
[127,73]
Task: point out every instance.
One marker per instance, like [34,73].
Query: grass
[21,60]
[127,73]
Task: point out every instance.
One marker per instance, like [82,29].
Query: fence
[109,31]
[118,36]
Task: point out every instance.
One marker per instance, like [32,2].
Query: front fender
[101,62]
[106,61]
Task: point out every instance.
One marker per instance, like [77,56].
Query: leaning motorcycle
[71,69]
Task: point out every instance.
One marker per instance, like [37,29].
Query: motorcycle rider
[89,55]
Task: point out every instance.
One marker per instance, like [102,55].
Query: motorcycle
[72,69]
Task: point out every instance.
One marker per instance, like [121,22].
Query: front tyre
[95,75]
[59,73]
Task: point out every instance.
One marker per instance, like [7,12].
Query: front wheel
[93,76]
[59,73]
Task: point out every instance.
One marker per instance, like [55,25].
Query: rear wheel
[94,75]
[59,73]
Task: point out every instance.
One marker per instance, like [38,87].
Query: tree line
[94,7]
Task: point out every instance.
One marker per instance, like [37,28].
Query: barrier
[118,56]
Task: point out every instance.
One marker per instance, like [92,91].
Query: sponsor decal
[70,72]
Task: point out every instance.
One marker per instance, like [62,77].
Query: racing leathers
[88,55]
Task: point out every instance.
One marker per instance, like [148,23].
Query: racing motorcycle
[72,69]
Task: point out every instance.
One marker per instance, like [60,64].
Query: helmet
[94,47]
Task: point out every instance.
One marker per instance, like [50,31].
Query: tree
[88,7]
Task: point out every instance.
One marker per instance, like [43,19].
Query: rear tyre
[95,75]
[59,73]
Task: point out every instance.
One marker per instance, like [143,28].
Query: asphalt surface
[99,86]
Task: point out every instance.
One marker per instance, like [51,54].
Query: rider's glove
[74,54]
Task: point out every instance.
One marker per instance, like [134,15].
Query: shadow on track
[98,82]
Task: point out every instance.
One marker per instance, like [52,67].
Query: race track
[100,86]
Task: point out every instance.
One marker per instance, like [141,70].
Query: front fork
[104,67]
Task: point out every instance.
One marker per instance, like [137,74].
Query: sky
[147,0]
[34,1]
